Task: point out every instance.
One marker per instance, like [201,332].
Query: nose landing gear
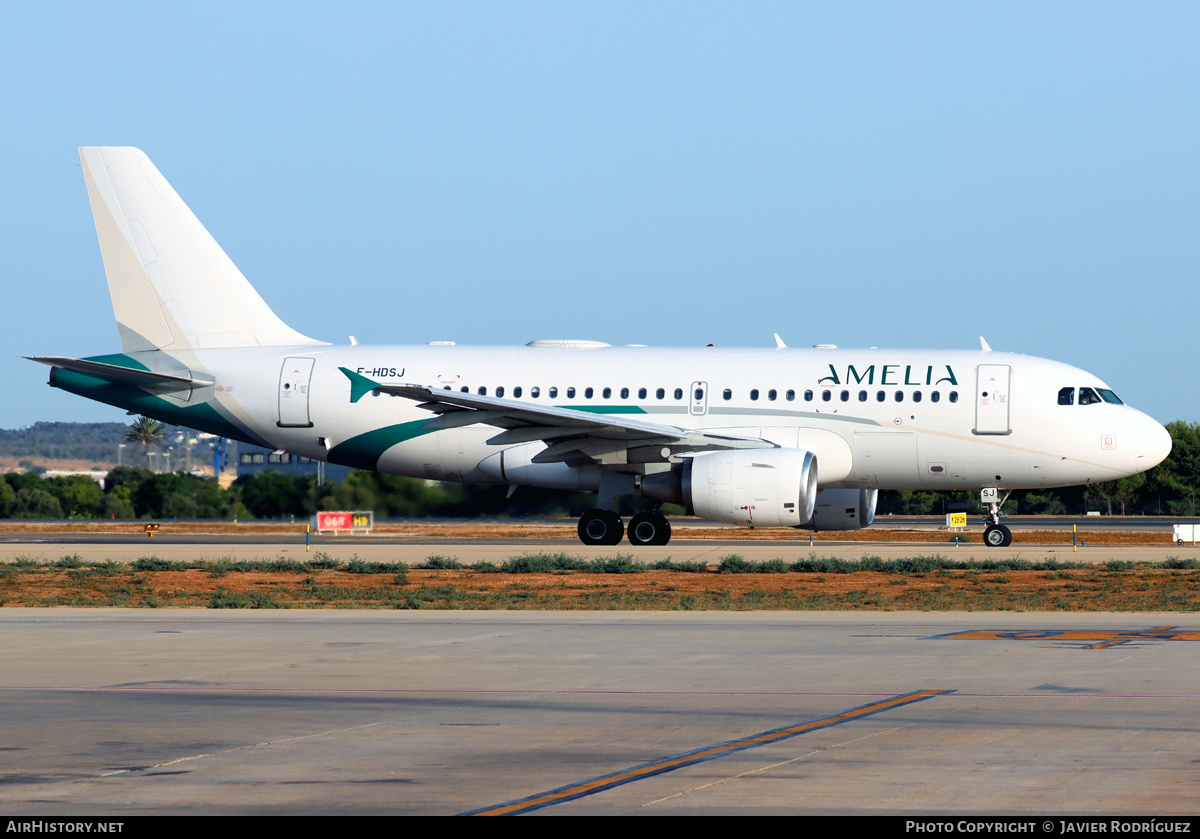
[995,535]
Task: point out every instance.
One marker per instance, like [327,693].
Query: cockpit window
[1066,396]
[1110,397]
[1087,396]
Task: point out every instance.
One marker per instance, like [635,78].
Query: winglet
[779,345]
[360,386]
[984,344]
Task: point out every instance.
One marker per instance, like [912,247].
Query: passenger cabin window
[641,393]
[916,396]
[754,395]
[499,391]
[880,396]
[624,393]
[535,392]
[483,391]
[587,393]
[552,393]
[570,393]
[727,394]
[808,396]
[1066,396]
[826,395]
[845,396]
[516,393]
[862,396]
[935,396]
[607,393]
[899,396]
[679,393]
[790,396]
[464,389]
[660,393]
[771,395]
[954,396]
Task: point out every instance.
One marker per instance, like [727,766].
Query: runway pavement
[127,712]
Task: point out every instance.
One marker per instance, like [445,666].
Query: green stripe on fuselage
[119,360]
[606,409]
[201,416]
[364,450]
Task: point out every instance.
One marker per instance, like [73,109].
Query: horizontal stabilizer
[126,375]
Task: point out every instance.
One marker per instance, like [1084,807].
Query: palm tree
[145,432]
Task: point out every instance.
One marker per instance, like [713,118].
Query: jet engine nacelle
[844,509]
[759,487]
[515,466]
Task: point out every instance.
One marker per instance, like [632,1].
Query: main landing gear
[601,527]
[649,529]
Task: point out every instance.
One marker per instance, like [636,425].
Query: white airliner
[761,437]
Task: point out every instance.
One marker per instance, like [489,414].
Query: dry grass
[68,582]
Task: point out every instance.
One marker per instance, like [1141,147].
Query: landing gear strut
[600,527]
[995,535]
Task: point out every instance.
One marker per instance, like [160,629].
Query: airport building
[254,459]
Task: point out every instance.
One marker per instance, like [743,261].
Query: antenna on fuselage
[779,345]
[984,344]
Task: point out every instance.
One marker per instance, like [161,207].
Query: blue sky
[675,174]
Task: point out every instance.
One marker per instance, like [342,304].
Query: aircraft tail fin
[172,286]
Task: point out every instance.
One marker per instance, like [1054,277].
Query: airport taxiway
[114,711]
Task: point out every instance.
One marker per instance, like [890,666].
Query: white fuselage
[876,418]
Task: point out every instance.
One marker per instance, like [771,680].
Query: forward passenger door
[991,399]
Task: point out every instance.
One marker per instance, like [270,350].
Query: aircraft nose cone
[1154,444]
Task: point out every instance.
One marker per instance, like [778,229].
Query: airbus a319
[771,437]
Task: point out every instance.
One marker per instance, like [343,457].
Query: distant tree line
[94,441]
[1171,488]
[101,443]
[132,492]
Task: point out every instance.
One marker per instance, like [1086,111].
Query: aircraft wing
[572,435]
